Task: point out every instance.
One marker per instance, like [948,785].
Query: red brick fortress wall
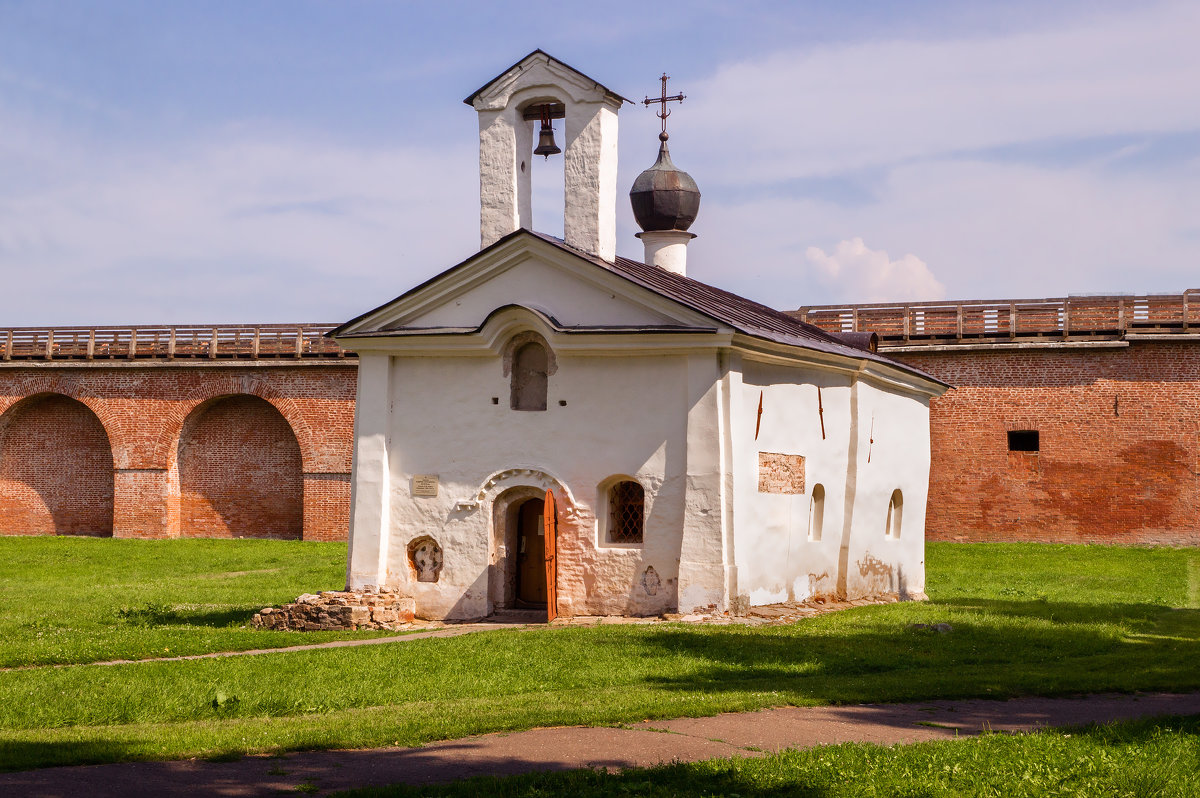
[56,469]
[1119,443]
[239,471]
[156,449]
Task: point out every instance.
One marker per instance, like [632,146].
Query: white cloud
[849,106]
[908,125]
[990,230]
[267,225]
[870,275]
[246,226]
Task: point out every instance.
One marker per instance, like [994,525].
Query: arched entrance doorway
[56,469]
[523,573]
[239,472]
[531,554]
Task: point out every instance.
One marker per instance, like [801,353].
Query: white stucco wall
[893,452]
[534,283]
[624,416]
[775,558]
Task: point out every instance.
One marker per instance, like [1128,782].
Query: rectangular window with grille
[626,512]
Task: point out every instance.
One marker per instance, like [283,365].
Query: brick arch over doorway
[237,472]
[56,469]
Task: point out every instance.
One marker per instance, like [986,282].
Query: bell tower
[540,89]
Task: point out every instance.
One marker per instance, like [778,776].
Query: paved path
[635,745]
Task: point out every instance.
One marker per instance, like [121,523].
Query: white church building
[547,424]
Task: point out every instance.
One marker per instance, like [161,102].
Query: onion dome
[664,197]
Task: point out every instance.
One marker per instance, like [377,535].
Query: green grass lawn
[69,600]
[1159,757]
[1028,619]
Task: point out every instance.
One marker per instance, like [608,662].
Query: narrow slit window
[1023,440]
[626,512]
[895,515]
[816,512]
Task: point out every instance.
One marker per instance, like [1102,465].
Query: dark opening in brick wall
[1023,440]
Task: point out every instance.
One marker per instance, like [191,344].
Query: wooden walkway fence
[979,321]
[208,342]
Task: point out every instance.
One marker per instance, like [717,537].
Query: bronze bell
[546,145]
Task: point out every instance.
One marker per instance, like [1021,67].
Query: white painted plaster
[679,421]
[590,180]
[623,416]
[774,555]
[667,249]
[898,458]
[589,154]
[541,285]
[369,489]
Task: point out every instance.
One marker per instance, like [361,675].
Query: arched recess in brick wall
[237,472]
[218,388]
[56,469]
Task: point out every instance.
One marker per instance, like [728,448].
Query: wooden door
[531,553]
[550,514]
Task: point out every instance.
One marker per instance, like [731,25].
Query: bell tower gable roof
[537,68]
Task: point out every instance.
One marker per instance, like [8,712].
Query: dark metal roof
[470,100]
[744,315]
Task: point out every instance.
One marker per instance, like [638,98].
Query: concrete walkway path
[635,745]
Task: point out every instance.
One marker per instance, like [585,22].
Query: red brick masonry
[1119,432]
[1111,385]
[154,448]
[247,431]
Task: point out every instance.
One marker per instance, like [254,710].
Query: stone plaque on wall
[425,485]
[780,473]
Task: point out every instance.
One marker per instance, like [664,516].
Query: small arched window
[626,512]
[529,377]
[894,515]
[816,512]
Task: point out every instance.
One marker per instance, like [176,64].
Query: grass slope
[1028,619]
[70,600]
[1159,757]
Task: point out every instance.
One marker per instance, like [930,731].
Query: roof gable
[540,67]
[669,300]
[526,270]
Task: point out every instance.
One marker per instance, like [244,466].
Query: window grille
[626,512]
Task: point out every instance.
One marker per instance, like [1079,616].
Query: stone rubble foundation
[339,610]
[344,610]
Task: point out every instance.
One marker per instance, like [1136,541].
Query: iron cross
[663,111]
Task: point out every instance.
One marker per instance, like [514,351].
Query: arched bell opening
[541,165]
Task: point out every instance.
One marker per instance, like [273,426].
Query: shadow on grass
[893,771]
[167,615]
[670,780]
[18,755]
[1034,648]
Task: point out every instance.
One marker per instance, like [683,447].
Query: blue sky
[303,161]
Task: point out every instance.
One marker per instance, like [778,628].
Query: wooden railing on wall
[209,342]
[1065,318]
